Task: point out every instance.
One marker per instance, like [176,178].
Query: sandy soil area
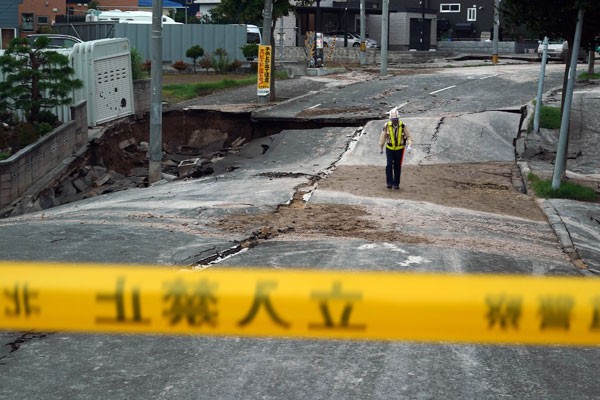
[479,187]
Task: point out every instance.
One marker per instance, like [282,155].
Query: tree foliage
[35,78]
[554,18]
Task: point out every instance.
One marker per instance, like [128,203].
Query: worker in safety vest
[394,137]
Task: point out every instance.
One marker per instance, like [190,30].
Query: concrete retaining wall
[142,93]
[352,55]
[19,172]
[476,47]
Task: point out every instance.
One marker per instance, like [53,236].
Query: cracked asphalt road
[329,179]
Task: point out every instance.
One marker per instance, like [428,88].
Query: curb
[554,219]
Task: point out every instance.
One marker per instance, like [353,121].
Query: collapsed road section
[193,138]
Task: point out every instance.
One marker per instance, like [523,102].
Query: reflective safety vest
[395,142]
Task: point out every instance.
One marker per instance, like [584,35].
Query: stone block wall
[20,171]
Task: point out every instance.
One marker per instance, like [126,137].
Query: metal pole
[538,102]
[422,25]
[563,138]
[280,39]
[384,36]
[496,31]
[155,163]
[363,46]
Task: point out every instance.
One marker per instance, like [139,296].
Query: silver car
[336,39]
[57,41]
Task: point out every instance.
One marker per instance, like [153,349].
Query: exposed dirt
[317,220]
[476,186]
[483,187]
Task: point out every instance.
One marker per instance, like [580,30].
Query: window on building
[472,14]
[450,8]
[42,20]
[27,22]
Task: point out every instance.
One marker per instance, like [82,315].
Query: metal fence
[177,39]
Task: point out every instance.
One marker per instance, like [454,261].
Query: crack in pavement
[265,232]
[18,342]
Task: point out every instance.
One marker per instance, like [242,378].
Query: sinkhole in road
[117,156]
[190,134]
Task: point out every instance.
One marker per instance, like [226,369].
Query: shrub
[42,128]
[146,66]
[180,65]
[194,53]
[206,62]
[250,51]
[4,155]
[26,134]
[47,117]
[220,61]
[235,64]
[136,64]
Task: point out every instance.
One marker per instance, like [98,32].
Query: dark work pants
[394,166]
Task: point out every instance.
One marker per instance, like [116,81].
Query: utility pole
[363,46]
[280,39]
[422,25]
[538,103]
[565,118]
[155,164]
[268,16]
[496,31]
[384,36]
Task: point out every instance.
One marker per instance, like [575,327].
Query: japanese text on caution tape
[299,303]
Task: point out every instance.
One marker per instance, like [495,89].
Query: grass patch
[586,76]
[550,117]
[177,92]
[567,190]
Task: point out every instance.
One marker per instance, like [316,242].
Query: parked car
[558,50]
[336,38]
[56,41]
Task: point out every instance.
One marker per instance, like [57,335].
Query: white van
[126,17]
[254,35]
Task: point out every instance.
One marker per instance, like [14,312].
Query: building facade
[9,25]
[413,24]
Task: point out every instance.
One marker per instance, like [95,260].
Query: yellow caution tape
[307,304]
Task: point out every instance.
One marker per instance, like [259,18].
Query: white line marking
[441,90]
[402,105]
[315,106]
[491,76]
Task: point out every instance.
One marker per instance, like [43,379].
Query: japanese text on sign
[264,70]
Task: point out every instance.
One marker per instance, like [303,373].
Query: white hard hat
[394,114]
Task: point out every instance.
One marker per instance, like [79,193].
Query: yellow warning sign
[306,304]
[264,70]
